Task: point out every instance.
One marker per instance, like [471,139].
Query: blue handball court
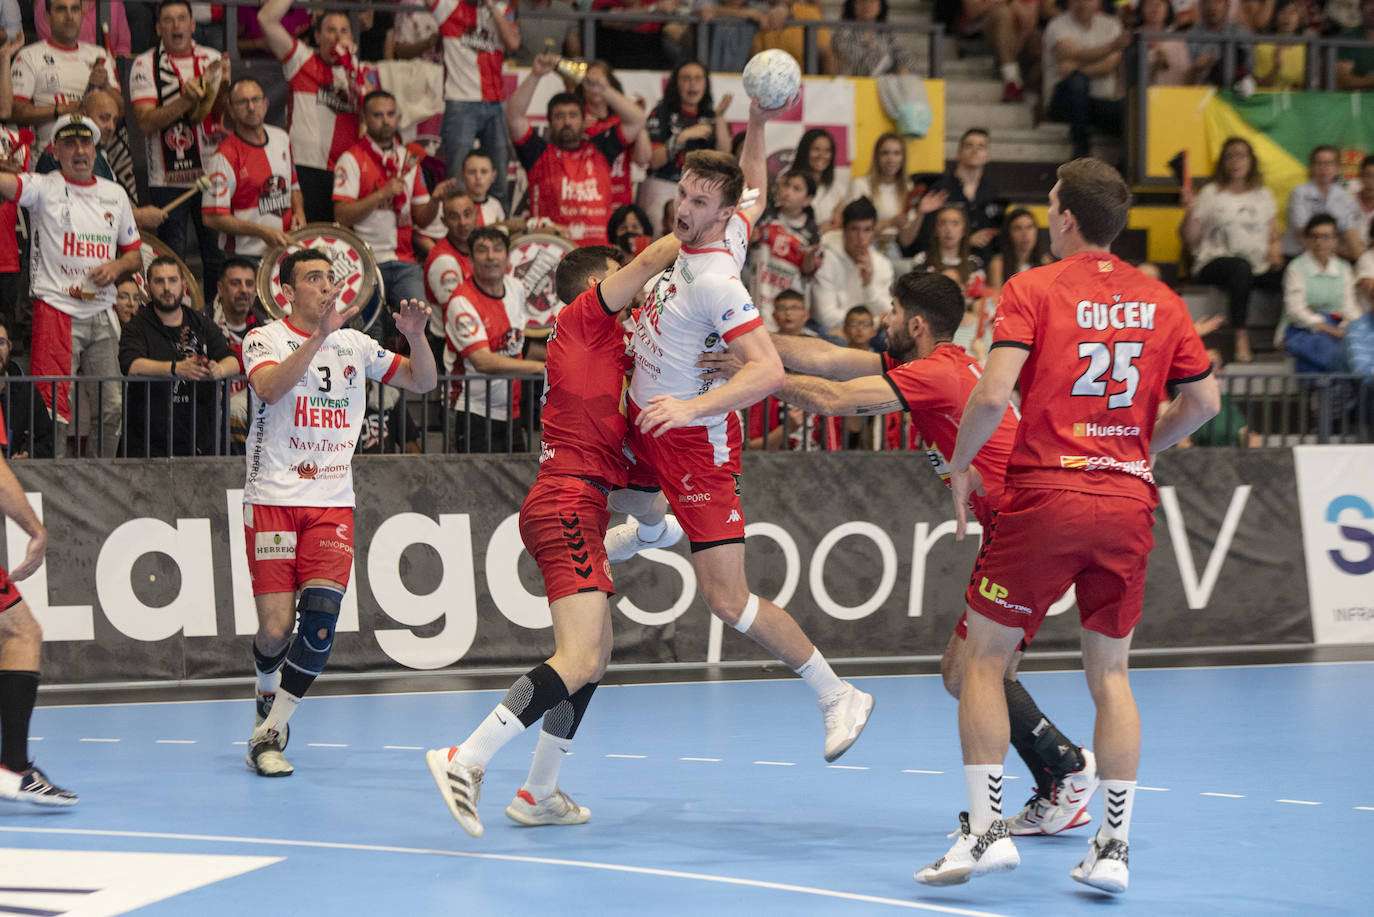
[708,797]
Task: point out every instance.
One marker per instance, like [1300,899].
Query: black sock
[1046,751]
[535,693]
[268,664]
[18,692]
[562,720]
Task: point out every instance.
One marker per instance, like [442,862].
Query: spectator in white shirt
[1318,301]
[852,274]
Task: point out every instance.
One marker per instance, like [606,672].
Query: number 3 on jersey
[1118,359]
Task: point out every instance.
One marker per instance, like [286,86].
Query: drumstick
[201,185]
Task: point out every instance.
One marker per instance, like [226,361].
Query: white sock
[1011,73]
[496,730]
[817,673]
[984,795]
[653,532]
[548,760]
[268,682]
[283,707]
[1118,799]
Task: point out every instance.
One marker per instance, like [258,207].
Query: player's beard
[901,348]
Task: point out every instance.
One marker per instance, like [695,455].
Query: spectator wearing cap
[84,237]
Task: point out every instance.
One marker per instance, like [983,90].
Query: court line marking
[325,745]
[1154,789]
[1299,802]
[1223,795]
[1365,808]
[699,759]
[845,767]
[635,757]
[404,747]
[175,741]
[922,772]
[97,740]
[512,858]
[316,698]
[778,763]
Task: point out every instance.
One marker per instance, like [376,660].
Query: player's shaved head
[581,264]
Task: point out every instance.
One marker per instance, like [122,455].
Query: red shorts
[563,525]
[52,356]
[1044,540]
[9,592]
[699,471]
[288,545]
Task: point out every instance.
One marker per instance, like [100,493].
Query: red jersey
[1103,341]
[622,183]
[584,413]
[253,183]
[935,391]
[473,51]
[572,187]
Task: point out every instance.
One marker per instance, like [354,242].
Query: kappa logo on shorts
[734,517]
[274,545]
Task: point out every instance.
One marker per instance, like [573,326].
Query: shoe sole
[1101,884]
[438,769]
[856,732]
[952,877]
[519,817]
[52,803]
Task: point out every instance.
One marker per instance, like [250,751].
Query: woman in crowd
[867,52]
[950,254]
[1283,66]
[887,186]
[1231,230]
[685,120]
[816,154]
[630,229]
[1318,301]
[1018,249]
[1169,60]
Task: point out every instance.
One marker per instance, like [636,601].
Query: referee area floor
[707,797]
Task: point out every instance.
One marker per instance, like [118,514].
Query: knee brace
[318,609]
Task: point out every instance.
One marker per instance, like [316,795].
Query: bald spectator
[255,197]
[50,77]
[570,174]
[327,89]
[380,194]
[477,35]
[167,86]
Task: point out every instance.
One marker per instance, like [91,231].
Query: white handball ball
[772,77]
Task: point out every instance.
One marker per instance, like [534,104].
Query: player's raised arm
[620,289]
[417,372]
[753,156]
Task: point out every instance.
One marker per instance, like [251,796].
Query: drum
[351,263]
[533,261]
[152,248]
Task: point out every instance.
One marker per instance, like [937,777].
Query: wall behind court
[146,575]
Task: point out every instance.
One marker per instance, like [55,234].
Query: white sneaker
[460,786]
[1070,797]
[557,808]
[1106,867]
[260,711]
[264,755]
[623,541]
[845,713]
[1036,813]
[972,855]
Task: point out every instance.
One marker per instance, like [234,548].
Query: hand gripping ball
[772,77]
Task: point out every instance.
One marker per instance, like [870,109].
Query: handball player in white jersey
[685,428]
[308,375]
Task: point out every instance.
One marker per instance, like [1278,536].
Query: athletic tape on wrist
[746,618]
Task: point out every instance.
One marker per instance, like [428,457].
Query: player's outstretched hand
[333,319]
[413,317]
[962,484]
[758,114]
[665,413]
[33,556]
[719,365]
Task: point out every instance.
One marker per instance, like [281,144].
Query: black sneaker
[33,786]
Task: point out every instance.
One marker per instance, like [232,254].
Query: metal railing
[1264,410]
[1320,62]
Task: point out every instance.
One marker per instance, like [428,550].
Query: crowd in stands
[440,220]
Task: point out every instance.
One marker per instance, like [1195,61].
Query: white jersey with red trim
[364,168]
[253,183]
[473,51]
[472,321]
[143,89]
[322,108]
[490,212]
[44,73]
[699,304]
[300,450]
[75,228]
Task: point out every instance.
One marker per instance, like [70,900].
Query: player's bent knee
[319,615]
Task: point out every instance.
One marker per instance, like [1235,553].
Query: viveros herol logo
[1349,505]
